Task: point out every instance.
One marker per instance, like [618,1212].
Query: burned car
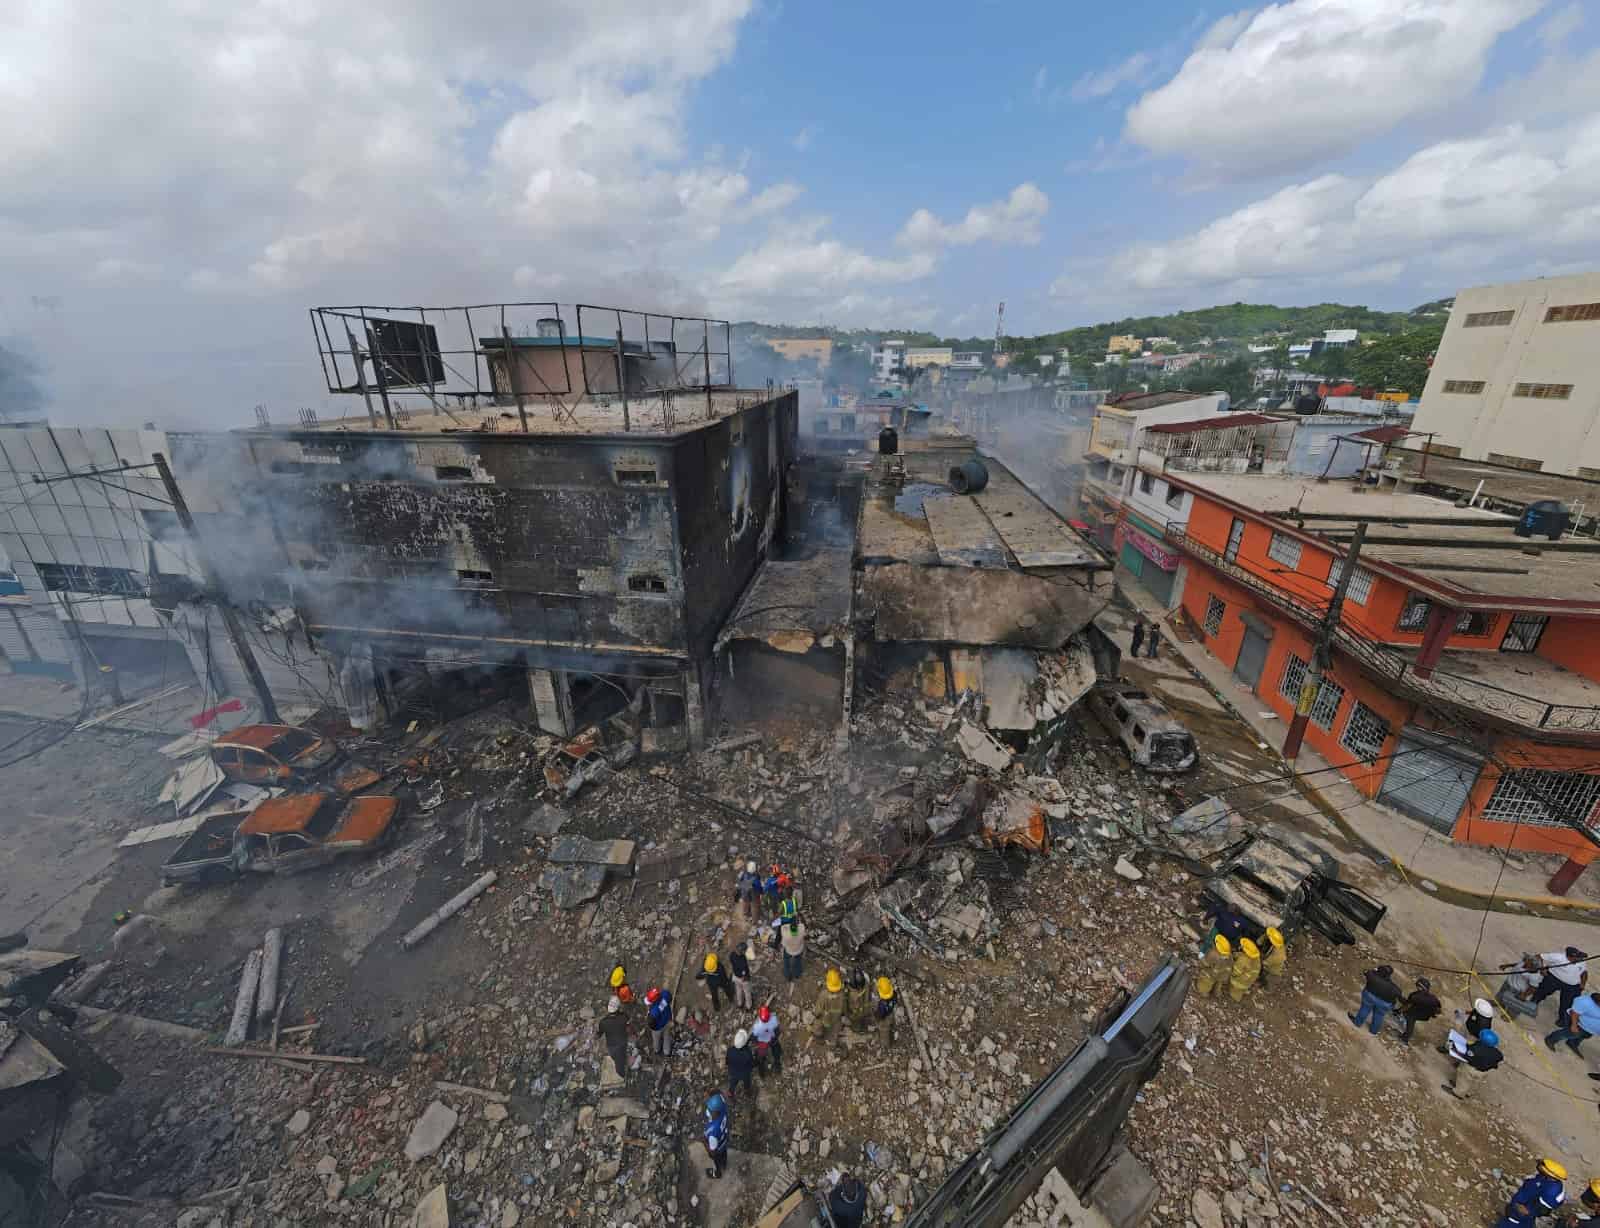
[1270,878]
[286,754]
[282,836]
[1154,739]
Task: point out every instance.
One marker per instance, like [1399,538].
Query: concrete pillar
[1561,881]
[1441,621]
[550,693]
[694,708]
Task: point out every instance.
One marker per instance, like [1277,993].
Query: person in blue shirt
[660,1019]
[1581,1022]
[717,1135]
[1539,1195]
[771,893]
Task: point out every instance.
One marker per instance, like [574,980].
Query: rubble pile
[487,1099]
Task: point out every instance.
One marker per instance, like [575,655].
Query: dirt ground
[1261,1104]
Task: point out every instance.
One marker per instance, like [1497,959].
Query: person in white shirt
[1565,973]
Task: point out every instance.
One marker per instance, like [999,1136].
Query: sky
[181,181]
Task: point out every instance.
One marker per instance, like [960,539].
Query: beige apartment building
[1516,380]
[798,349]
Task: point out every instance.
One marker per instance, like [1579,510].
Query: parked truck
[282,836]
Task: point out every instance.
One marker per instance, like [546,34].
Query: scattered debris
[447,910]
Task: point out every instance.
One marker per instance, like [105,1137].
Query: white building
[888,358]
[1338,338]
[1516,380]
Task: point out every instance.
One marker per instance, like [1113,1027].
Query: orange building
[1464,688]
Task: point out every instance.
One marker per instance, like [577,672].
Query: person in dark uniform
[1138,636]
[1589,1200]
[848,1202]
[1418,1006]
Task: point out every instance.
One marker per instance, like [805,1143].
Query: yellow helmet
[1222,946]
[1249,948]
[618,977]
[1553,1168]
[711,963]
[1274,936]
[835,981]
[1594,1189]
[885,988]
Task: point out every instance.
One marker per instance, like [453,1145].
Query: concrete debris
[621,1106]
[299,1123]
[615,855]
[447,910]
[573,886]
[738,743]
[547,820]
[433,1211]
[138,941]
[244,1001]
[982,749]
[1126,869]
[431,1130]
[673,861]
[1015,819]
[271,959]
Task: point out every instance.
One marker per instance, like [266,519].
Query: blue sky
[182,183]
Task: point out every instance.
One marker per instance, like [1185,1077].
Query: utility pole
[230,617]
[1322,650]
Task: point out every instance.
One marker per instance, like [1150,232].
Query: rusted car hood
[353,777]
[366,820]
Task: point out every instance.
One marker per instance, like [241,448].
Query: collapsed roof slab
[969,605]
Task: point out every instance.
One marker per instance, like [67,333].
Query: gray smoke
[20,394]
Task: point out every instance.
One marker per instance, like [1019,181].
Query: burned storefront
[585,541]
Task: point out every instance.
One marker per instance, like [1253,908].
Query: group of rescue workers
[848,1000]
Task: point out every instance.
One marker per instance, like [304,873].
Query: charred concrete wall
[731,508]
[593,547]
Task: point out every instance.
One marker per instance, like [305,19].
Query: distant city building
[1516,380]
[1338,338]
[888,359]
[1125,343]
[929,356]
[798,349]
[966,360]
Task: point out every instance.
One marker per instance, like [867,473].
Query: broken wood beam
[447,910]
[738,743]
[904,995]
[465,1090]
[236,1051]
[139,1023]
[271,958]
[244,1002]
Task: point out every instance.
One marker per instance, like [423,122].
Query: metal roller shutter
[13,641]
[1430,778]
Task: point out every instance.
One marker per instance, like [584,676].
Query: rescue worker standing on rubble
[717,982]
[1418,1006]
[1223,920]
[717,1123]
[765,1032]
[771,893]
[793,941]
[1378,996]
[830,1006]
[847,1203]
[619,985]
[739,968]
[741,1064]
[1246,969]
[883,1012]
[747,891]
[1276,960]
[659,1019]
[1214,965]
[858,1002]
[1538,1196]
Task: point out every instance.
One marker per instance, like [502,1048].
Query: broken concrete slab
[621,1106]
[573,886]
[982,749]
[433,1211]
[672,861]
[1126,869]
[431,1130]
[868,917]
[547,820]
[615,855]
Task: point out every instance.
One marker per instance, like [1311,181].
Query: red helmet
[764,1014]
[653,996]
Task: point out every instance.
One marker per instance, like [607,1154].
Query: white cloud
[1014,220]
[803,139]
[774,199]
[1506,198]
[1041,81]
[800,259]
[1297,82]
[1132,71]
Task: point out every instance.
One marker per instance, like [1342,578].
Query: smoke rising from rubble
[1034,445]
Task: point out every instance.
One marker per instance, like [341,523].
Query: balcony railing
[1469,695]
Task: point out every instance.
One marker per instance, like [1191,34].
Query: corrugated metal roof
[1220,423]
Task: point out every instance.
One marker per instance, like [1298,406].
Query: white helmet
[749,867]
[741,1038]
[613,1006]
[1482,1007]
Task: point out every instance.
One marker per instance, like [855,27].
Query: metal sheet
[1035,534]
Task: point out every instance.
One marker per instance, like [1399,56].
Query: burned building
[596,537]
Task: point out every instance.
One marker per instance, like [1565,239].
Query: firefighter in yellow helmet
[883,1011]
[1587,1213]
[619,985]
[858,1001]
[1246,969]
[1275,960]
[1213,966]
[716,979]
[830,1006]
